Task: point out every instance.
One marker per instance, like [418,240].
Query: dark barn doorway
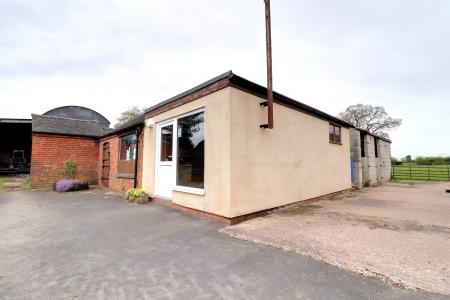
[105,165]
[15,146]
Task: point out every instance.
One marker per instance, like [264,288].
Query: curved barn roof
[77,113]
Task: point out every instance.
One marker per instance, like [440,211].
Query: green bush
[70,168]
[430,160]
[26,183]
[132,194]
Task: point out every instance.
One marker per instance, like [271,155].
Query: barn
[63,133]
[15,146]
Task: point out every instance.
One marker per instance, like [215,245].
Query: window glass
[191,151]
[166,143]
[337,134]
[331,132]
[128,147]
[334,133]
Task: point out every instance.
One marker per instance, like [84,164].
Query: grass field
[23,182]
[2,184]
[416,172]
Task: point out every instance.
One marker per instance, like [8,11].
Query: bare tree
[129,114]
[371,118]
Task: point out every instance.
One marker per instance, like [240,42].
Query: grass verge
[2,184]
[26,183]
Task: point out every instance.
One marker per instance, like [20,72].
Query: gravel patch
[398,233]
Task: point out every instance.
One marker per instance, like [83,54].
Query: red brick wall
[116,183]
[49,153]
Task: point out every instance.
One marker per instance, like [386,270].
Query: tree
[129,114]
[371,118]
[407,158]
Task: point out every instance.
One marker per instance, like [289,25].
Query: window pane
[166,143]
[337,134]
[128,147]
[331,132]
[191,151]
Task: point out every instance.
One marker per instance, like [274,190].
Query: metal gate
[105,165]
[414,171]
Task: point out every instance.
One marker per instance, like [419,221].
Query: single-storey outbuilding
[120,158]
[15,145]
[207,149]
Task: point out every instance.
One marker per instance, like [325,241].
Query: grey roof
[77,113]
[134,122]
[67,126]
[375,135]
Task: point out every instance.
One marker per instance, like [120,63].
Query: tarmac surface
[93,245]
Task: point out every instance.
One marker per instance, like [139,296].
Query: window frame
[179,188]
[120,145]
[182,188]
[332,139]
[120,161]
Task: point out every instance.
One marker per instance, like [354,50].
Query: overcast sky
[109,55]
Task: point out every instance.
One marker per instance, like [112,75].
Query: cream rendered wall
[217,154]
[292,162]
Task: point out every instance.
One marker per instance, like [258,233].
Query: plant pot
[142,199]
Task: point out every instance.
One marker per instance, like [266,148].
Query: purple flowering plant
[69,185]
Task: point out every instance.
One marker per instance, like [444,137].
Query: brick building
[108,157]
[69,132]
[120,159]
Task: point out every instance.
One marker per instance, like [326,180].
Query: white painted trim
[189,190]
[158,126]
[158,153]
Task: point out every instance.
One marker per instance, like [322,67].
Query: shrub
[70,185]
[132,194]
[70,168]
[26,183]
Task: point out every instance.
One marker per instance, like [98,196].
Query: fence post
[448,171]
[410,178]
[429,172]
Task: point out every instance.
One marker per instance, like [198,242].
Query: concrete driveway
[93,246]
[399,233]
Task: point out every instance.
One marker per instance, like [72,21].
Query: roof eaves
[256,89]
[135,122]
[15,121]
[66,134]
[227,74]
[261,91]
[373,134]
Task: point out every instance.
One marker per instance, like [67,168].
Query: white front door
[165,156]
